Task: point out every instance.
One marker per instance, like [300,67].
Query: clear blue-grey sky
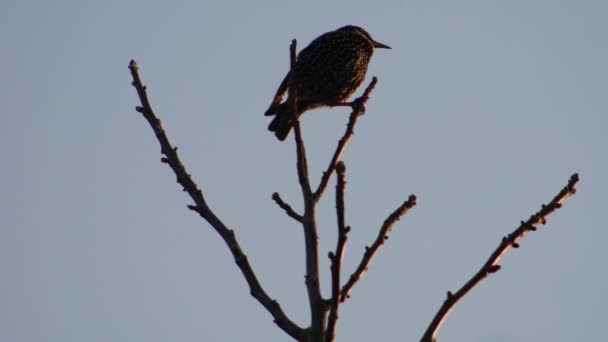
[483,110]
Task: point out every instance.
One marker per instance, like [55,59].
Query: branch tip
[340,167]
[133,66]
[172,159]
[286,207]
[491,266]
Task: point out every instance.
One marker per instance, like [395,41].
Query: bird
[327,72]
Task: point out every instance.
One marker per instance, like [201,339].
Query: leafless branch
[336,258]
[491,265]
[302,164]
[358,106]
[288,209]
[317,310]
[200,206]
[370,251]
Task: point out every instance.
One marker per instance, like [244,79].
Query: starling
[327,72]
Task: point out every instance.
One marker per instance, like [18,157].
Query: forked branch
[200,206]
[309,224]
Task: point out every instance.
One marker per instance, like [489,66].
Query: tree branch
[200,206]
[358,106]
[317,313]
[302,164]
[370,251]
[491,265]
[286,207]
[336,258]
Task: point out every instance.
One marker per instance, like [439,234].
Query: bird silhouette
[327,72]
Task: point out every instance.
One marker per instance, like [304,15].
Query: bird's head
[362,32]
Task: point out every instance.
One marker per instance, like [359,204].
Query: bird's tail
[282,122]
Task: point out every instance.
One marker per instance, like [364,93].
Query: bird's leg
[357,104]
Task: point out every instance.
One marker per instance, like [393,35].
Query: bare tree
[324,311]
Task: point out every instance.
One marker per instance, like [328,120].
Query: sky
[483,109]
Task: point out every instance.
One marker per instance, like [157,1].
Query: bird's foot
[358,105]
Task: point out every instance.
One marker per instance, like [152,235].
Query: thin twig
[302,164]
[336,258]
[358,106]
[491,265]
[286,207]
[201,207]
[370,251]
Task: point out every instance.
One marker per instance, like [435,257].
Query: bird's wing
[278,97]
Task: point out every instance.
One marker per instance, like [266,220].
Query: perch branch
[370,251]
[317,313]
[200,206]
[491,265]
[302,164]
[358,106]
[336,258]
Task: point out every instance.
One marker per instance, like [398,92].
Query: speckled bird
[328,71]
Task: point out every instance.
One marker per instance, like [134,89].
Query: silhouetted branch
[302,164]
[317,326]
[200,206]
[288,210]
[370,251]
[358,106]
[336,258]
[491,265]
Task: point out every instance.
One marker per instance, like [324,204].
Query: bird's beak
[378,45]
